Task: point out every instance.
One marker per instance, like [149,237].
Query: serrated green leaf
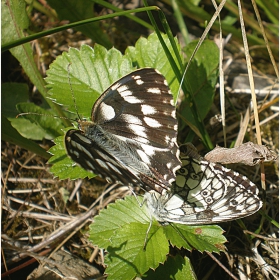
[133,251]
[116,215]
[149,53]
[122,230]
[81,76]
[202,238]
[176,268]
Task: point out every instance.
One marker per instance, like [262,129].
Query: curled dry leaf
[248,154]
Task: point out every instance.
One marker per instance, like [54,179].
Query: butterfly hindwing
[205,193]
[132,133]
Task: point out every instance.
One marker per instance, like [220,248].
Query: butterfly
[132,135]
[204,193]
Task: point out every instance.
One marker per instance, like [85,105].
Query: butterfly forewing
[132,134]
[205,193]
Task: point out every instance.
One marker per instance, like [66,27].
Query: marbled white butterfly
[132,135]
[204,193]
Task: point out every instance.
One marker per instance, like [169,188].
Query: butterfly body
[131,137]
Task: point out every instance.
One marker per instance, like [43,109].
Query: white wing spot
[148,110]
[167,139]
[132,99]
[152,122]
[131,119]
[102,163]
[154,90]
[107,111]
[141,140]
[139,82]
[90,166]
[125,93]
[81,148]
[138,130]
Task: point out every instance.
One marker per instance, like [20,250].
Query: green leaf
[128,243]
[149,53]
[122,229]
[81,76]
[176,268]
[9,134]
[38,124]
[203,238]
[201,80]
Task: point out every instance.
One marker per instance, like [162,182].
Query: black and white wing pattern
[204,193]
[132,135]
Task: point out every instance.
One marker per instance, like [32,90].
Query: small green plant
[91,71]
[79,76]
[122,230]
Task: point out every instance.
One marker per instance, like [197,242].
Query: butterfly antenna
[72,92]
[44,115]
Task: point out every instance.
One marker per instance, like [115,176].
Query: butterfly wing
[88,154]
[134,130]
[212,194]
[205,193]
